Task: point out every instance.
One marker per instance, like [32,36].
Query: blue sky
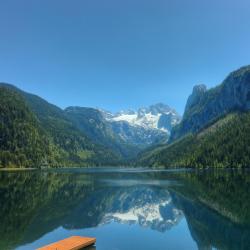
[119,54]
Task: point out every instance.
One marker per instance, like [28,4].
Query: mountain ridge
[82,136]
[70,146]
[148,117]
[204,106]
[214,131]
[126,132]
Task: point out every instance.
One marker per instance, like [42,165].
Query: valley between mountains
[213,132]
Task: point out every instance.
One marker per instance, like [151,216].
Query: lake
[126,209]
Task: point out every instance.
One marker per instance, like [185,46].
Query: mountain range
[214,130]
[145,126]
[37,133]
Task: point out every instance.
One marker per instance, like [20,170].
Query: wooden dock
[72,243]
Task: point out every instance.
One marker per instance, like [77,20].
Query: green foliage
[226,143]
[34,133]
[23,143]
[92,123]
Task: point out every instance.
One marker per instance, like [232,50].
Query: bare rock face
[237,86]
[205,106]
[196,96]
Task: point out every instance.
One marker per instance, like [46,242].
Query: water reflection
[146,206]
[33,204]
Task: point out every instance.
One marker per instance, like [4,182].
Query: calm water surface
[126,209]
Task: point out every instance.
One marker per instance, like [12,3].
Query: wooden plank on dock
[72,243]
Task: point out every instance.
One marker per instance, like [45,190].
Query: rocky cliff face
[205,106]
[196,96]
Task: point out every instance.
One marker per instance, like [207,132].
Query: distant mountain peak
[200,88]
[153,117]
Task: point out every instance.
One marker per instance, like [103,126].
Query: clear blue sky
[119,54]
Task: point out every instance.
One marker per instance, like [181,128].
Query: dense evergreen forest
[225,143]
[23,143]
[34,133]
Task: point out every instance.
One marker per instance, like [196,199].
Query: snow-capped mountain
[144,126]
[158,116]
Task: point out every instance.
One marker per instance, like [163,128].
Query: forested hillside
[23,143]
[35,133]
[214,131]
[91,122]
[225,143]
[208,105]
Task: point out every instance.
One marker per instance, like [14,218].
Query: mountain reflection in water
[212,207]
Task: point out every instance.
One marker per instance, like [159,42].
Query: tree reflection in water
[215,204]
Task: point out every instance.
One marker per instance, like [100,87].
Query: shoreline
[17,169]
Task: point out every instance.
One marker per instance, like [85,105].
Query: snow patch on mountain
[147,121]
[148,118]
[145,126]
